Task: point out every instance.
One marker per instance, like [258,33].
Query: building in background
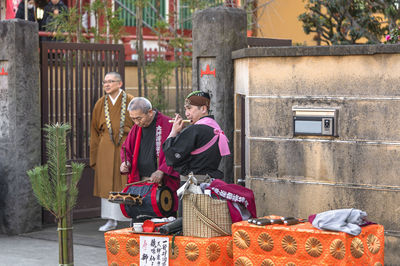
[279,19]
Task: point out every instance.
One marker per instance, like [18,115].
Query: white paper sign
[154,251]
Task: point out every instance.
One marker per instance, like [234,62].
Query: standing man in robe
[199,147]
[110,126]
[142,155]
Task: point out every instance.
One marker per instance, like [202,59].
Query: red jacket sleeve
[129,145]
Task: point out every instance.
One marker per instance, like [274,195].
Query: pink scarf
[222,142]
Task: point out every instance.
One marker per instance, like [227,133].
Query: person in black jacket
[52,9]
[199,147]
[32,14]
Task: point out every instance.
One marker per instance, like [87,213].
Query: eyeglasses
[109,81]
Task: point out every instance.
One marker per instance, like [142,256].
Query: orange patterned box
[123,249]
[302,244]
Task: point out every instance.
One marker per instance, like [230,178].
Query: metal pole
[26,9]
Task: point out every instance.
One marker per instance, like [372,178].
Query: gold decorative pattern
[265,241]
[267,262]
[192,251]
[133,264]
[113,245]
[132,247]
[241,239]
[378,264]
[166,200]
[289,244]
[124,198]
[229,249]
[357,248]
[337,249]
[373,243]
[243,261]
[213,252]
[114,264]
[176,251]
[290,264]
[313,247]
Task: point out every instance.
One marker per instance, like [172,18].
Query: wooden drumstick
[126,164]
[139,182]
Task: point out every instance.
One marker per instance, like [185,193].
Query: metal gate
[71,76]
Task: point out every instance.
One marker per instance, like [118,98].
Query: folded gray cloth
[342,220]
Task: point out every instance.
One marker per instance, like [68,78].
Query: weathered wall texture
[19,125]
[299,176]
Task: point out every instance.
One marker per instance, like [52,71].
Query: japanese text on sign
[154,251]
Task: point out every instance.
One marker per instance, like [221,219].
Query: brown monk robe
[104,155]
[104,151]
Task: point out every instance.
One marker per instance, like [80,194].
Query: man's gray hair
[140,103]
[115,74]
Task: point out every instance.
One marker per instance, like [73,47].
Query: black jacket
[48,13]
[21,12]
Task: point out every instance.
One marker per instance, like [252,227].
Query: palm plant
[55,186]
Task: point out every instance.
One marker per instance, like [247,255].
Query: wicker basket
[204,216]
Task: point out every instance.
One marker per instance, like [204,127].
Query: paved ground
[41,248]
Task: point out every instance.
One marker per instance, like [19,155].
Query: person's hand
[157,176]
[125,168]
[177,126]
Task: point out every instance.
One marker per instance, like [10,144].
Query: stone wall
[300,176]
[216,33]
[19,125]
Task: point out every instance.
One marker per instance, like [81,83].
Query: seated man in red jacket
[141,154]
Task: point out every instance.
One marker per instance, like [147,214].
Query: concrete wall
[301,176]
[19,125]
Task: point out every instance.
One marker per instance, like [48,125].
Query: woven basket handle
[210,223]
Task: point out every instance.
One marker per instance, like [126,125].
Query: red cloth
[134,175]
[235,193]
[11,8]
[171,178]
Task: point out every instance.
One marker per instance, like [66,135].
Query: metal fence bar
[79,104]
[62,90]
[51,88]
[87,104]
[71,78]
[56,92]
[71,102]
[67,93]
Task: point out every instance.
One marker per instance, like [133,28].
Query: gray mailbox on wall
[314,121]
